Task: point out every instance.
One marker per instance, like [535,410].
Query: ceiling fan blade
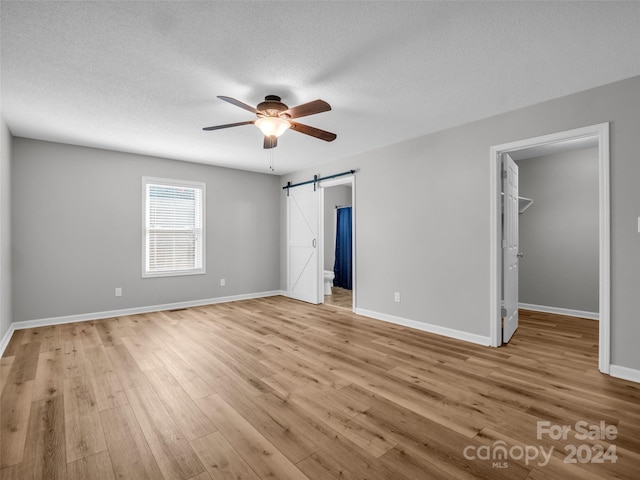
[238,103]
[270,141]
[229,125]
[314,132]
[311,108]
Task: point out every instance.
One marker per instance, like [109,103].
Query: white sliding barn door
[303,268]
[510,247]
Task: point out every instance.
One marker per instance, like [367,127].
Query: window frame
[173,183]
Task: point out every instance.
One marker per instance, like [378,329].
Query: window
[173,236]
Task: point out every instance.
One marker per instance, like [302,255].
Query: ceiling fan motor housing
[272,107]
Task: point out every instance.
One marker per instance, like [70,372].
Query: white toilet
[328,281]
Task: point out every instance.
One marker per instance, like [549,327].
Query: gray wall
[5,229]
[422,220]
[559,232]
[77,230]
[338,195]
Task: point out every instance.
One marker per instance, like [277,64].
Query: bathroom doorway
[338,243]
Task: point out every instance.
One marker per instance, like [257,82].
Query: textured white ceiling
[143,77]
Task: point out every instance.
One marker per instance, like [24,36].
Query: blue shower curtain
[342,265]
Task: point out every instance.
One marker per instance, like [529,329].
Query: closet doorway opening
[599,136]
[337,234]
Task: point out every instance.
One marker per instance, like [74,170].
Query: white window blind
[173,227]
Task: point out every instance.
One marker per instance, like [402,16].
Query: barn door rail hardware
[315,180]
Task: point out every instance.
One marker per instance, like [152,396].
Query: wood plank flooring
[277,389]
[340,297]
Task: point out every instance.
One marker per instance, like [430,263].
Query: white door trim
[347,180]
[601,132]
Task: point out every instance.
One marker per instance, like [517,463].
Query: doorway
[338,264]
[600,135]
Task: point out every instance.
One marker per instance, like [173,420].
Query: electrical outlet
[118,291]
[396,297]
[223,282]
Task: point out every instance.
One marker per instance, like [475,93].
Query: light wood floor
[277,389]
[341,297]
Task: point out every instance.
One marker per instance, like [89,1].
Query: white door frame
[347,180]
[601,132]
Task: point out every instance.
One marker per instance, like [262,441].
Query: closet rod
[342,206]
[315,180]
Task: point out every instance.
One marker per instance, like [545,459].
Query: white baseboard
[625,373]
[5,339]
[426,327]
[83,317]
[560,311]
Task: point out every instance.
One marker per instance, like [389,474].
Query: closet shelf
[523,203]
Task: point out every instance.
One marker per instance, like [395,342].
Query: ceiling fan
[274,118]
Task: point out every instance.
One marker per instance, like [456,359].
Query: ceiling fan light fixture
[272,126]
[274,117]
